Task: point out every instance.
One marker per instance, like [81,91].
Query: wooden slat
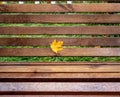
[67,41]
[61,30]
[64,52]
[60,8]
[62,76]
[62,68]
[59,75]
[60,87]
[55,63]
[82,68]
[100,18]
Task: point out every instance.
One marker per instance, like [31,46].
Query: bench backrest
[102,15]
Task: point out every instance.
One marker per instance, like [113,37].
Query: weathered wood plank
[99,18]
[61,30]
[59,75]
[55,63]
[62,76]
[60,87]
[60,8]
[63,68]
[67,41]
[37,71]
[64,52]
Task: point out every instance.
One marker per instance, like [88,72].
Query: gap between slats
[60,77]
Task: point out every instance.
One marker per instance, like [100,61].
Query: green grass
[59,59]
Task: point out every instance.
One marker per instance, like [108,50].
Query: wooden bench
[60,79]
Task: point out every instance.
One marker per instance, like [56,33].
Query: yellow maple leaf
[1,2]
[97,46]
[56,46]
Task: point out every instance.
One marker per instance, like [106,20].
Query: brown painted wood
[57,66]
[61,30]
[62,76]
[99,18]
[60,87]
[59,75]
[60,8]
[34,76]
[108,72]
[67,41]
[64,68]
[64,52]
[82,68]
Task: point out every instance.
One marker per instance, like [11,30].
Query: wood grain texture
[99,18]
[60,79]
[60,87]
[62,76]
[59,75]
[67,41]
[70,68]
[64,52]
[55,63]
[62,68]
[60,8]
[61,30]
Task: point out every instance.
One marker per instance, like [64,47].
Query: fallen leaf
[97,46]
[1,2]
[56,46]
